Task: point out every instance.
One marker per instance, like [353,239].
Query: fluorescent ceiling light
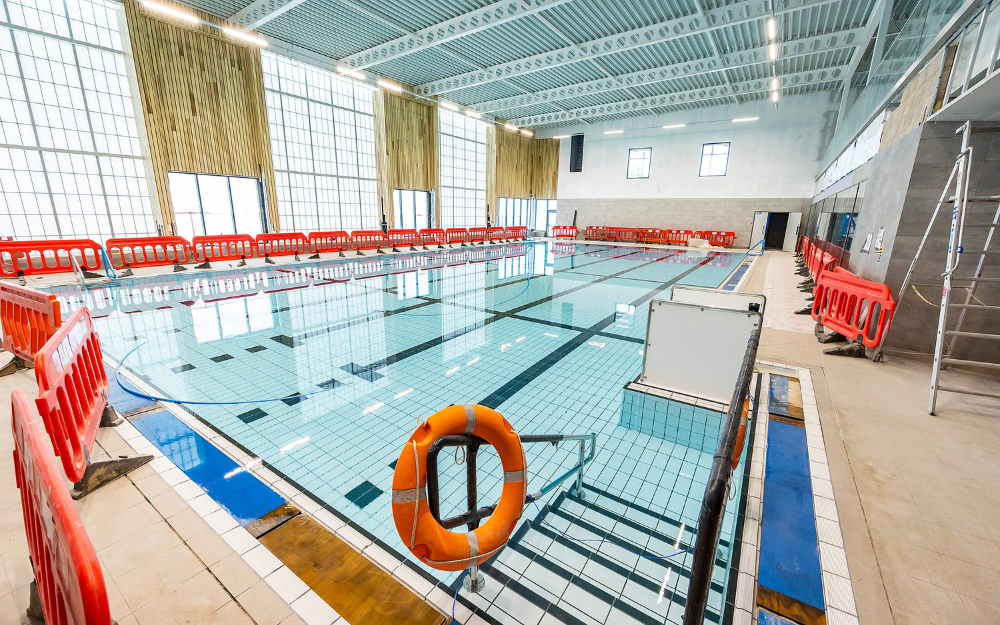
[390,86]
[473,114]
[772,51]
[527,133]
[774,83]
[511,127]
[448,105]
[159,8]
[674,126]
[745,119]
[614,132]
[561,137]
[772,28]
[774,96]
[239,34]
[350,72]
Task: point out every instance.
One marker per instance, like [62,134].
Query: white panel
[696,350]
[700,296]
[791,232]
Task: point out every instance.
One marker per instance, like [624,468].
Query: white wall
[774,157]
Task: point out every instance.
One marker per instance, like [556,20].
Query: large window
[512,211]
[638,162]
[411,209]
[70,162]
[463,170]
[206,204]
[714,159]
[323,144]
[545,215]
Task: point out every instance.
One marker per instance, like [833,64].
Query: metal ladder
[944,347]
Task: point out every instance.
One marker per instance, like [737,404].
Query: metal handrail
[475,514]
[713,505]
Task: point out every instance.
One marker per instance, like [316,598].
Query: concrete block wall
[731,214]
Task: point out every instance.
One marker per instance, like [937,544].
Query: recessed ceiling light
[390,86]
[350,72]
[527,133]
[745,119]
[159,8]
[473,114]
[674,126]
[511,127]
[561,137]
[448,105]
[614,132]
[239,34]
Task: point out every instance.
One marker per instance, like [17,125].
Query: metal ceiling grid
[428,64]
[585,20]
[329,28]
[559,76]
[421,13]
[506,42]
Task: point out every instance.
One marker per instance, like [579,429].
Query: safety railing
[368,240]
[68,577]
[477,235]
[592,233]
[626,235]
[458,235]
[48,256]
[857,308]
[283,244]
[713,504]
[494,234]
[516,233]
[566,232]
[223,247]
[135,252]
[72,392]
[648,235]
[403,238]
[329,241]
[29,319]
[676,237]
[475,514]
[719,238]
[433,236]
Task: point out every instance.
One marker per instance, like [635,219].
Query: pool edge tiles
[273,565]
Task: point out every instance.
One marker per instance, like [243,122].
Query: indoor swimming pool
[323,370]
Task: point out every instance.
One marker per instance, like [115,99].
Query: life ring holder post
[474,582]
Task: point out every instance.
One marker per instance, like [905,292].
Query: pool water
[336,362]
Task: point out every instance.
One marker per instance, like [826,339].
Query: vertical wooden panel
[518,166]
[406,144]
[202,102]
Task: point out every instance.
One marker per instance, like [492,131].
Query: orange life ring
[431,543]
[742,436]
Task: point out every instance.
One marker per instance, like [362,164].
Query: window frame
[628,164]
[701,161]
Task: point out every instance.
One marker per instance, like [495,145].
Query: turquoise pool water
[339,360]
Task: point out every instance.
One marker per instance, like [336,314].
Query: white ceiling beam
[743,58]
[797,79]
[260,12]
[737,13]
[449,30]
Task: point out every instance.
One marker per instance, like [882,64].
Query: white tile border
[838,592]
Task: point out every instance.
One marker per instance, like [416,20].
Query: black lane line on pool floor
[434,342]
[505,392]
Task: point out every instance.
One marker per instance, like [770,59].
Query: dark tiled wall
[911,196]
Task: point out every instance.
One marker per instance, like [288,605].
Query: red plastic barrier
[50,256]
[626,235]
[433,236]
[368,239]
[565,232]
[516,233]
[458,235]
[282,244]
[675,237]
[29,319]
[477,235]
[717,237]
[404,238]
[818,261]
[649,235]
[67,572]
[494,234]
[331,241]
[859,309]
[593,233]
[72,386]
[223,247]
[148,251]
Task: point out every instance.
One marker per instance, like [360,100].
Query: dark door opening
[774,235]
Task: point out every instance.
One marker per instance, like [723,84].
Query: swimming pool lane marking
[496,316]
[499,396]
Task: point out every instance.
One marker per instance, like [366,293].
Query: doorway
[208,204]
[774,236]
[411,209]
